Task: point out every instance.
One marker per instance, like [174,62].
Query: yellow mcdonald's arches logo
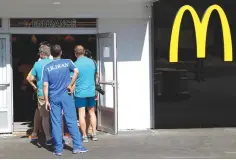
[201,32]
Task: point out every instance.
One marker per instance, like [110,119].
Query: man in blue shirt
[58,96]
[37,119]
[36,74]
[85,91]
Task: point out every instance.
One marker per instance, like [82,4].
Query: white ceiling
[68,2]
[67,8]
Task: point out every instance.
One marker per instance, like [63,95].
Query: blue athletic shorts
[85,102]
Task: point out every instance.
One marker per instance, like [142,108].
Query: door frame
[92,31]
[77,31]
[42,31]
[114,83]
[10,83]
[74,31]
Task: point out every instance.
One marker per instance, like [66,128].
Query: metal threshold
[22,127]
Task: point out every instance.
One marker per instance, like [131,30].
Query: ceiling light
[56,2]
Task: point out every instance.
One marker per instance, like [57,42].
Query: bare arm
[45,91]
[30,78]
[74,77]
[97,78]
[71,86]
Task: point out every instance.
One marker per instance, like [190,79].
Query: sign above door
[53,23]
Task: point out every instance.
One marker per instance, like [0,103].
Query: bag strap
[95,64]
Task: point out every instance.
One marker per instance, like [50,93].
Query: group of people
[62,87]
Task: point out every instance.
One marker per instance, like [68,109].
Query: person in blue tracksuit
[58,96]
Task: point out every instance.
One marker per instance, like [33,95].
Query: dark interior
[24,55]
[193,93]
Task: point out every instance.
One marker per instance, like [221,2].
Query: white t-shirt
[50,57]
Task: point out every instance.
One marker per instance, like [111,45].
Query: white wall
[132,42]
[5,26]
[133,70]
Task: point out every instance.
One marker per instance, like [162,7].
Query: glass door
[107,110]
[6,118]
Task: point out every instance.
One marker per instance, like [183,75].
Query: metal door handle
[4,84]
[112,83]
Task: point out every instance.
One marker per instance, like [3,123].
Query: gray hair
[45,50]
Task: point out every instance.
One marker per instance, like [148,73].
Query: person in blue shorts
[85,92]
[58,96]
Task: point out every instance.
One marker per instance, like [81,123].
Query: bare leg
[82,121]
[93,119]
[88,124]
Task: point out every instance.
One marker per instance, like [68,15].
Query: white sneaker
[85,139]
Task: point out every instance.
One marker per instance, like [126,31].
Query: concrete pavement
[189,143]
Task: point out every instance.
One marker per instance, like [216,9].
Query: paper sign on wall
[106,52]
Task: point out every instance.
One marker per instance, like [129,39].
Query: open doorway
[24,55]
